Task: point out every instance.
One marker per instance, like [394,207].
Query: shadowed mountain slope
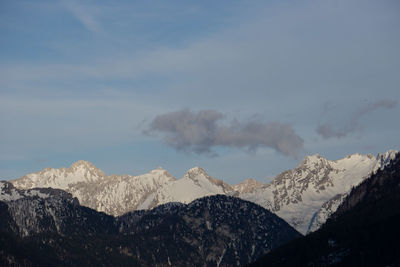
[364,231]
[42,227]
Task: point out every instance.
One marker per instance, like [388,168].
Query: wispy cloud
[329,130]
[83,15]
[200,132]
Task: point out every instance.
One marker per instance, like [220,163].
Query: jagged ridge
[300,196]
[364,231]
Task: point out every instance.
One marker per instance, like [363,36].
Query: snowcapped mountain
[79,172]
[364,230]
[298,195]
[114,194]
[305,196]
[196,183]
[329,207]
[248,186]
[118,194]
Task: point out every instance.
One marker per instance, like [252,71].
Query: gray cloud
[200,132]
[328,130]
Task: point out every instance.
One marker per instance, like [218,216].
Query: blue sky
[240,88]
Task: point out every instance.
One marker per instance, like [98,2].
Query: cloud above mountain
[329,130]
[201,131]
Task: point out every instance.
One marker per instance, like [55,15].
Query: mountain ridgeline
[48,227]
[364,231]
[304,197]
[79,216]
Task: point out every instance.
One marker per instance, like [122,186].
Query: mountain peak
[196,170]
[197,173]
[390,154]
[248,186]
[313,157]
[87,169]
[311,160]
[83,163]
[384,159]
[160,171]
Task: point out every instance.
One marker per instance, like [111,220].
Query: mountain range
[79,216]
[304,197]
[48,227]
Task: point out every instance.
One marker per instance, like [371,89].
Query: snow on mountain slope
[114,194]
[9,193]
[305,196]
[79,172]
[196,183]
[296,195]
[248,186]
[32,211]
[329,207]
[118,194]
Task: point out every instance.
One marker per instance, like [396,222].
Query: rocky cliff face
[307,195]
[364,230]
[329,207]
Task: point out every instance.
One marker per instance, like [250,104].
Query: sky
[240,88]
